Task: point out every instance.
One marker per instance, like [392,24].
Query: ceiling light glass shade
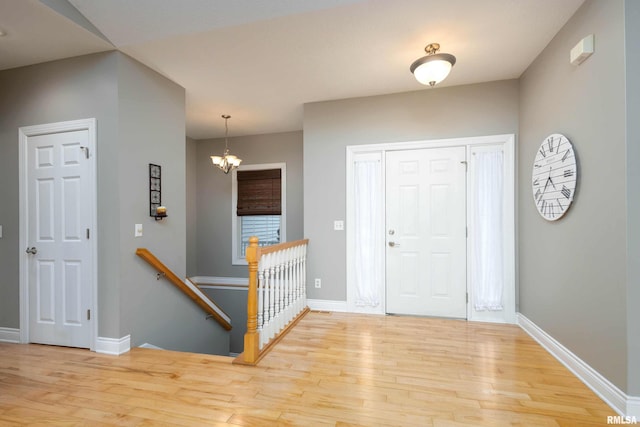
[227,162]
[432,69]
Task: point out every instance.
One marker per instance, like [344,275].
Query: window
[258,207]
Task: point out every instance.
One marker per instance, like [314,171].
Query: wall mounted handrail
[189,288]
[276,298]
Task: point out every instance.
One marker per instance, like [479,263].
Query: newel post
[251,338]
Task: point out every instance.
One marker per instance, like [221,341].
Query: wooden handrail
[146,255]
[263,250]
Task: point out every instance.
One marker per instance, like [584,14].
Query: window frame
[236,259]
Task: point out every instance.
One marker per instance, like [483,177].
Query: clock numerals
[566,155]
[566,192]
[541,151]
[536,182]
[538,194]
[550,142]
[568,173]
[550,210]
[562,208]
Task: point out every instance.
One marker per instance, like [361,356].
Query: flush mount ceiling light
[433,68]
[228,161]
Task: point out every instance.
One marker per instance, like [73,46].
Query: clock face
[554,177]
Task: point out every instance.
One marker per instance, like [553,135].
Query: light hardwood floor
[331,370]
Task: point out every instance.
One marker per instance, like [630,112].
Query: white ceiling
[260,61]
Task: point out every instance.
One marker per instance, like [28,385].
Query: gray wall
[191,194]
[234,303]
[140,119]
[329,127]
[214,195]
[72,89]
[632,46]
[573,271]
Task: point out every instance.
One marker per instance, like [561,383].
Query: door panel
[60,270]
[426,232]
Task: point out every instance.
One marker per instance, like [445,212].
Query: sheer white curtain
[487,275]
[368,229]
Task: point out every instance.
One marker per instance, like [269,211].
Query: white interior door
[426,232]
[59,257]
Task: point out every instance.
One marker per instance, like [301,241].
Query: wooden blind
[259,192]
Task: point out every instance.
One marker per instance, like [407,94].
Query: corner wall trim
[624,405]
[114,346]
[327,305]
[10,335]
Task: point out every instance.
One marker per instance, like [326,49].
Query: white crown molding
[10,335]
[114,346]
[607,391]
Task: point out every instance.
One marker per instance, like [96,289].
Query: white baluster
[303,284]
[260,299]
[272,301]
[268,297]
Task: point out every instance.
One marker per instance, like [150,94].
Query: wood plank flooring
[332,369]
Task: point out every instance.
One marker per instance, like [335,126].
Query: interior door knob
[393,244]
[32,250]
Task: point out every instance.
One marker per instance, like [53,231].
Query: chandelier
[433,68]
[228,161]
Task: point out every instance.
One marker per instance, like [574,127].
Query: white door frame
[23,133]
[506,140]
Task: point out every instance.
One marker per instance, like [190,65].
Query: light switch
[138,230]
[338,225]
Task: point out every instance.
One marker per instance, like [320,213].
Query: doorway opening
[415,248]
[58,272]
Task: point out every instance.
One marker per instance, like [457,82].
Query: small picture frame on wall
[155,189]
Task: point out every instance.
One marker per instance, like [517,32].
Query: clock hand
[545,185]
[550,180]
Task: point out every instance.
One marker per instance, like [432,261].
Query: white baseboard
[115,346]
[633,407]
[327,305]
[11,335]
[213,280]
[612,395]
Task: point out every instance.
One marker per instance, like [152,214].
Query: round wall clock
[554,177]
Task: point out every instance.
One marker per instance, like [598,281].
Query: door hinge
[87,233]
[466,232]
[467,297]
[88,314]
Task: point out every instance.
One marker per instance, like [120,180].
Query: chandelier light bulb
[227,162]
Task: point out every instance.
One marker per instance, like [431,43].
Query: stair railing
[277,295]
[189,288]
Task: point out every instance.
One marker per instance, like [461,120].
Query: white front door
[426,232]
[59,261]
